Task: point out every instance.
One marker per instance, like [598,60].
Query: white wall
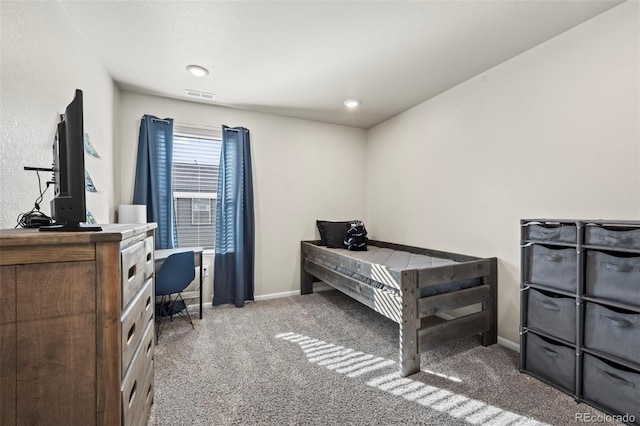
[43,61]
[552,133]
[302,171]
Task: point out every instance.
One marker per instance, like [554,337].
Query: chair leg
[186,310]
[159,320]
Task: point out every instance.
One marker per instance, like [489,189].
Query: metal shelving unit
[580,298]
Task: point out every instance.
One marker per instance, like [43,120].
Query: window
[201,211]
[196,159]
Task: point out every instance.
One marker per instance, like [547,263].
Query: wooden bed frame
[408,309]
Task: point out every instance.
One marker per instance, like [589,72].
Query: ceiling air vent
[203,96]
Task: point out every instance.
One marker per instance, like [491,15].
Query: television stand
[70,227]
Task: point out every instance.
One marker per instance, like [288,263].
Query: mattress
[384,259]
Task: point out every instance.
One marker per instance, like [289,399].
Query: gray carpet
[325,359]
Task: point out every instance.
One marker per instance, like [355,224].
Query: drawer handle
[618,268]
[132,332]
[133,392]
[149,257]
[551,306]
[132,272]
[555,258]
[622,323]
[149,346]
[550,232]
[549,352]
[618,378]
[146,308]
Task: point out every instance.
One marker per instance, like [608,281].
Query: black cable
[35,218]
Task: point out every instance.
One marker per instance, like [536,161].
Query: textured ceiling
[304,58]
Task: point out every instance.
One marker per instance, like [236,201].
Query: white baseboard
[277,295]
[509,344]
[195,306]
[290,293]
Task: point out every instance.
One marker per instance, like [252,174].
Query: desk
[161,255]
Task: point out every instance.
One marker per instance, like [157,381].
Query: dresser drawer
[140,418]
[561,233]
[146,398]
[133,261]
[134,322]
[615,278]
[149,265]
[133,391]
[551,361]
[611,386]
[612,236]
[616,332]
[555,268]
[552,314]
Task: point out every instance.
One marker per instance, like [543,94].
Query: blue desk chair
[174,275]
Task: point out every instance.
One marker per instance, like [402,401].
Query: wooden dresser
[76,326]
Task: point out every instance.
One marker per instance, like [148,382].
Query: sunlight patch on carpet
[444,376]
[383,375]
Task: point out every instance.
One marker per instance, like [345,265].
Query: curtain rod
[197,126]
[158,120]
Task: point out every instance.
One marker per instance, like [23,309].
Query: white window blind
[196,159]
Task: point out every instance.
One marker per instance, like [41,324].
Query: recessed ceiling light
[197,70]
[351,103]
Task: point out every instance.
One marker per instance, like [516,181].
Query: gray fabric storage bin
[613,332]
[612,237]
[562,233]
[555,316]
[614,278]
[613,387]
[551,361]
[555,268]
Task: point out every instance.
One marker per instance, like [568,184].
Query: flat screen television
[68,206]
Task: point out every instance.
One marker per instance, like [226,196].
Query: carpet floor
[325,359]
